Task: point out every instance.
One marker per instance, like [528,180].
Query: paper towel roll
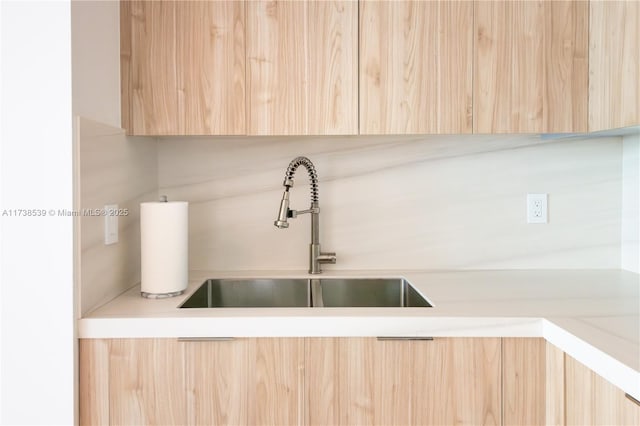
[164,245]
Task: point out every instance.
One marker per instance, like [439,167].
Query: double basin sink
[302,292]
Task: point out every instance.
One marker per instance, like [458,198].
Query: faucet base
[317,258]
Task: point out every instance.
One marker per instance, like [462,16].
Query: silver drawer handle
[205,339]
[632,399]
[385,338]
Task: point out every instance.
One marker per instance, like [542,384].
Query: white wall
[400,202]
[96,60]
[631,203]
[112,169]
[36,260]
[95,45]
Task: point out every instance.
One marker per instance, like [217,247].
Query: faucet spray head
[283,214]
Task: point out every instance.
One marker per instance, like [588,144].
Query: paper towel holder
[161,295]
[160,278]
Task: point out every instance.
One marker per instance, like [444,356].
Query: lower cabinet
[244,382]
[591,400]
[365,381]
[532,382]
[342,381]
[175,382]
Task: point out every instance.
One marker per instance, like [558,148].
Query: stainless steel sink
[371,292]
[251,293]
[292,292]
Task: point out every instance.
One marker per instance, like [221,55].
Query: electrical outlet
[110,224]
[536,208]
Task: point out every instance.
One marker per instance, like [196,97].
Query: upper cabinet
[416,67]
[530,66]
[320,67]
[614,64]
[302,67]
[183,67]
[236,68]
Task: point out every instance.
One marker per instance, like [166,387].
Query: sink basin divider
[316,293]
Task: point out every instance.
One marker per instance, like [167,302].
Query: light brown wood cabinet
[358,381]
[343,381]
[591,400]
[171,382]
[236,67]
[532,381]
[416,67]
[245,381]
[542,385]
[530,66]
[183,67]
[302,67]
[614,64]
[290,381]
[346,67]
[131,381]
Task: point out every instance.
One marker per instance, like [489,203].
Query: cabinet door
[533,382]
[147,382]
[132,381]
[182,67]
[245,381]
[93,395]
[591,400]
[415,67]
[531,70]
[302,67]
[167,382]
[614,64]
[218,382]
[366,381]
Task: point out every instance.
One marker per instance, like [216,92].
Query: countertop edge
[611,369]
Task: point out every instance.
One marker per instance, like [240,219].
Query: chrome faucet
[316,257]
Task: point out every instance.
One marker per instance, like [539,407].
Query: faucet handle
[329,257]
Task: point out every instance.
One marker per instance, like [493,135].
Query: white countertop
[592,315]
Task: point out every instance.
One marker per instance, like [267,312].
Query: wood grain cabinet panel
[183,67]
[333,67]
[460,384]
[94,382]
[151,94]
[245,381]
[218,382]
[343,381]
[278,382]
[146,382]
[591,400]
[172,382]
[416,67]
[533,382]
[210,66]
[320,67]
[523,378]
[530,66]
[614,64]
[302,67]
[366,381]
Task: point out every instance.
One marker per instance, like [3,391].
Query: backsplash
[110,168]
[398,202]
[631,203]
